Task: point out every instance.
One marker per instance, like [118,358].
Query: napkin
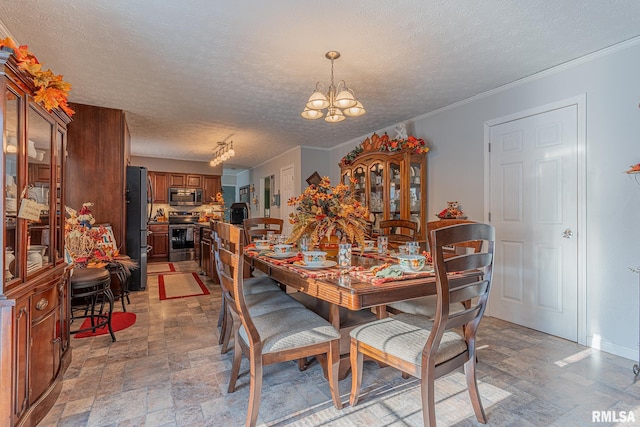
[389,272]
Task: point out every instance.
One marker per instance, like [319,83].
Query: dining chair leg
[333,359]
[427,389]
[227,332]
[222,320]
[474,393]
[235,367]
[356,360]
[255,390]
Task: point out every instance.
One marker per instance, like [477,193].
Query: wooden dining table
[354,289]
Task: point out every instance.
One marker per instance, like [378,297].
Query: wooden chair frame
[230,263]
[427,371]
[408,231]
[259,227]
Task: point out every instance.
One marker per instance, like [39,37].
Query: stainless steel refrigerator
[136,235]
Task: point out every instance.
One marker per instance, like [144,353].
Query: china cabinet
[34,335]
[391,183]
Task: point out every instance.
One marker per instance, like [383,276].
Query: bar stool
[92,285]
[122,275]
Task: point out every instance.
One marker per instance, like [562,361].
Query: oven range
[182,227]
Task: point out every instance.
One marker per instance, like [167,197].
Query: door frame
[580,101]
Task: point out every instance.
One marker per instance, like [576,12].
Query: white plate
[275,255]
[326,264]
[427,268]
[365,249]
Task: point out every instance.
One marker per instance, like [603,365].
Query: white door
[286,192]
[534,207]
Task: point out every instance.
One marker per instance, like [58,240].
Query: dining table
[356,290]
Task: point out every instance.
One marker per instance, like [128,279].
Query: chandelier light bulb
[335,100]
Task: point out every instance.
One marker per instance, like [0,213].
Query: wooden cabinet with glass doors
[33,145]
[392,184]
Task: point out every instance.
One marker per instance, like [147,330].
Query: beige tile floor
[167,370]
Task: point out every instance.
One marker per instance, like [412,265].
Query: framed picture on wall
[244,194]
[315,178]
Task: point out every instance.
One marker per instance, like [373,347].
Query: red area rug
[180,285]
[119,321]
[160,267]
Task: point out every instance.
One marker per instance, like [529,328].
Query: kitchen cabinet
[194,181]
[160,185]
[212,185]
[392,184]
[33,266]
[177,180]
[158,239]
[98,154]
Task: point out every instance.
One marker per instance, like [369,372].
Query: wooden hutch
[390,178]
[34,301]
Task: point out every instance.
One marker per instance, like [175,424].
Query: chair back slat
[461,318]
[434,225]
[468,292]
[467,262]
[399,230]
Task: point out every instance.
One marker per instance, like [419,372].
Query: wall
[314,160]
[272,167]
[612,87]
[180,166]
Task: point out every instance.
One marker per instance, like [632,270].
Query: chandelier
[222,154]
[338,101]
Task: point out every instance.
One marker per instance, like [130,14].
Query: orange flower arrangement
[322,210]
[52,91]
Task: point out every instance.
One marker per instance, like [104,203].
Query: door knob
[567,234]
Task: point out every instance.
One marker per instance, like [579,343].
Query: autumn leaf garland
[51,91]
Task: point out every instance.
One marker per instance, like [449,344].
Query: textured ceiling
[193,72]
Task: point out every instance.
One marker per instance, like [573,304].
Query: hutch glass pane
[359,186]
[395,191]
[12,142]
[376,193]
[59,214]
[415,192]
[39,175]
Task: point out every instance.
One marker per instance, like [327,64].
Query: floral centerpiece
[323,211]
[89,246]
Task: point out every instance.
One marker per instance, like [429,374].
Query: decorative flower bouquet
[89,246]
[322,211]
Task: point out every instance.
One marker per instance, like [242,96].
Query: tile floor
[167,370]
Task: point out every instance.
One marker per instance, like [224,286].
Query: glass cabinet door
[395,190]
[376,193]
[38,151]
[13,103]
[59,215]
[360,185]
[415,192]
[346,178]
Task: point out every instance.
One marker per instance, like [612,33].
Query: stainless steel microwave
[185,196]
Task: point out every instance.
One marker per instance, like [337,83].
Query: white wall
[173,165]
[612,87]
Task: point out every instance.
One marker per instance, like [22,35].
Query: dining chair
[398,231]
[429,349]
[258,228]
[276,336]
[262,292]
[426,306]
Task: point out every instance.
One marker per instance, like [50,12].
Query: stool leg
[109,295]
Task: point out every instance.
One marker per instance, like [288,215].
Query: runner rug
[160,267]
[180,285]
[119,321]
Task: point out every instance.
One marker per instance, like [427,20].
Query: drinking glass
[303,243]
[344,255]
[383,243]
[414,247]
[271,236]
